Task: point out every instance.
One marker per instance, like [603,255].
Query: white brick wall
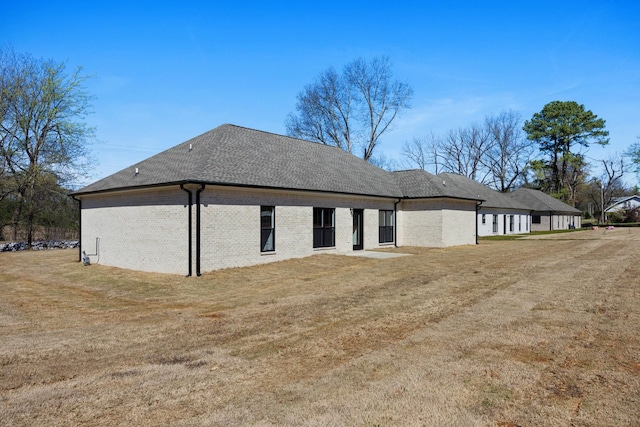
[143,230]
[231,224]
[557,222]
[436,223]
[520,221]
[458,225]
[148,229]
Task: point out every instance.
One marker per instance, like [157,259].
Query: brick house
[497,213]
[547,213]
[235,197]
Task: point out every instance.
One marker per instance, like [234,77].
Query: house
[547,213]
[625,203]
[498,213]
[432,213]
[235,197]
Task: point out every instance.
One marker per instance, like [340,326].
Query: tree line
[44,145]
[44,141]
[353,109]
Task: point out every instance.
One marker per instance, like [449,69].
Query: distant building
[623,205]
[497,214]
[547,213]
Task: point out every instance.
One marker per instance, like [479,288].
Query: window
[535,219]
[511,223]
[519,223]
[324,231]
[385,229]
[484,218]
[495,223]
[267,228]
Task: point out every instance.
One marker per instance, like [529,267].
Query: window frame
[267,232]
[385,230]
[324,230]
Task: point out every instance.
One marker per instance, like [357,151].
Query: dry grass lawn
[539,331]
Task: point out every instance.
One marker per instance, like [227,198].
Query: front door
[358,217]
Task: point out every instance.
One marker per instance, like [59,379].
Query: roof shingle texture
[238,156]
[418,183]
[491,198]
[233,155]
[538,201]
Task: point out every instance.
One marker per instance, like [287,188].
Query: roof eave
[225,184]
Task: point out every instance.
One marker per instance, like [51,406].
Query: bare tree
[599,191]
[633,152]
[494,153]
[464,150]
[510,151]
[324,112]
[423,153]
[614,169]
[42,136]
[351,110]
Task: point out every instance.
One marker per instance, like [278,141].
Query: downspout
[190,227]
[395,227]
[198,191]
[79,227]
[530,220]
[478,205]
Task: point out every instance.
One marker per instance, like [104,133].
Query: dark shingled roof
[234,155]
[541,202]
[491,198]
[237,156]
[418,183]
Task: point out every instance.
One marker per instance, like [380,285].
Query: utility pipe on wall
[190,226]
[395,225]
[477,213]
[198,191]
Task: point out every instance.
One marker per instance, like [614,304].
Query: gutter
[190,227]
[198,191]
[478,205]
[230,184]
[395,226]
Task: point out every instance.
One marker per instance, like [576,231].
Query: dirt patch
[528,332]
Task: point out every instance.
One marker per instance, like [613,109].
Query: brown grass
[541,331]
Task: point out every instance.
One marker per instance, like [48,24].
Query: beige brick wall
[143,230]
[459,223]
[436,223]
[544,224]
[148,230]
[420,224]
[231,224]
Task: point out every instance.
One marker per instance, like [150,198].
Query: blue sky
[165,72]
